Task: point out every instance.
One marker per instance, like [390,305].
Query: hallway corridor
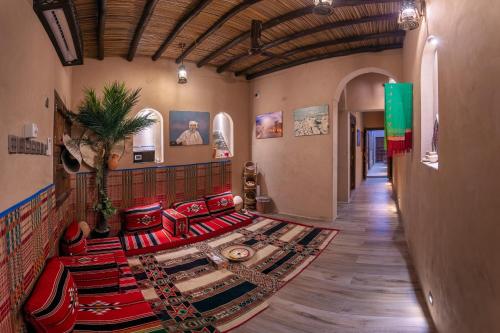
[363,282]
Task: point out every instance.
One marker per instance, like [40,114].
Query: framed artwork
[269,125]
[358,137]
[188,128]
[312,120]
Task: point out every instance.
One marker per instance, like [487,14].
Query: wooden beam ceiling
[281,19]
[101,26]
[306,32]
[245,35]
[184,21]
[327,43]
[219,23]
[141,26]
[335,54]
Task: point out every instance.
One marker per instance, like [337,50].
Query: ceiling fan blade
[255,34]
[272,55]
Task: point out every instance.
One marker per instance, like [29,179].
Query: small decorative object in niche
[220,147]
[188,128]
[21,145]
[311,121]
[269,125]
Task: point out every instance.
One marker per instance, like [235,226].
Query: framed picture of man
[188,128]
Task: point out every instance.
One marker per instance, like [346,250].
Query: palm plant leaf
[108,117]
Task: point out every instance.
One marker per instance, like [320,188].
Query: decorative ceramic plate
[238,252]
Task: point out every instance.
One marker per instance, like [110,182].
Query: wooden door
[353,152]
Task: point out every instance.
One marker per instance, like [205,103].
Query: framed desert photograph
[188,128]
[269,125]
[312,120]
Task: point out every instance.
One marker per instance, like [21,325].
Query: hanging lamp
[181,71]
[409,16]
[323,7]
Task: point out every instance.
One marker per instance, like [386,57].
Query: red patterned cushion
[220,204]
[52,304]
[94,274]
[195,210]
[174,222]
[127,312]
[142,218]
[73,241]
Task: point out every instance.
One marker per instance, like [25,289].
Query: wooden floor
[363,281]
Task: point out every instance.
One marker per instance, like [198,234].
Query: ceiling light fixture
[59,20]
[182,72]
[409,16]
[323,7]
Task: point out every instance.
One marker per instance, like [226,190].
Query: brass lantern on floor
[323,7]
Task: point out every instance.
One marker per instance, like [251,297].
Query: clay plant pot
[113,161]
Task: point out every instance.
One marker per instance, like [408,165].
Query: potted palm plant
[108,120]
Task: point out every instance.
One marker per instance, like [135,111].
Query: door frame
[365,150]
[352,153]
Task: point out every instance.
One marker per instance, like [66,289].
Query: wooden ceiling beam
[364,49]
[352,39]
[219,23]
[281,19]
[101,26]
[183,22]
[306,32]
[245,35]
[147,12]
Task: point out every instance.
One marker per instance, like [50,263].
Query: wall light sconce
[410,15]
[181,71]
[323,7]
[59,20]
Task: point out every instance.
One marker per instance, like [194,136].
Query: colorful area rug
[190,295]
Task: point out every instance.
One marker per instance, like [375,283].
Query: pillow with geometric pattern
[220,204]
[73,241]
[142,218]
[51,307]
[195,210]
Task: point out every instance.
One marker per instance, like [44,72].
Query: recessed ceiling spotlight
[433,40]
[323,7]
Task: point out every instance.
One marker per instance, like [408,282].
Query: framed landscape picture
[269,125]
[312,120]
[188,128]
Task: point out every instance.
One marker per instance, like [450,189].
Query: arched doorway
[365,95]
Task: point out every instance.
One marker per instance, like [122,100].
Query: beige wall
[205,91]
[366,92]
[29,72]
[300,174]
[373,119]
[450,215]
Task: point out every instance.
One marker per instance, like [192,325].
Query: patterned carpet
[190,295]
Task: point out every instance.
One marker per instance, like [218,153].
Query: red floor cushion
[73,241]
[175,222]
[195,210]
[148,242]
[220,204]
[52,304]
[94,274]
[127,312]
[104,245]
[140,218]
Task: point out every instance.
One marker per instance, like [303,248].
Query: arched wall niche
[148,144]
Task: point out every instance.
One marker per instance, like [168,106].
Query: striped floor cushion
[103,245]
[148,242]
[126,312]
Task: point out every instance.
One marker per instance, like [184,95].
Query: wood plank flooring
[363,281]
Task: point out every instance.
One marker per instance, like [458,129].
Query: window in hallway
[148,145]
[430,104]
